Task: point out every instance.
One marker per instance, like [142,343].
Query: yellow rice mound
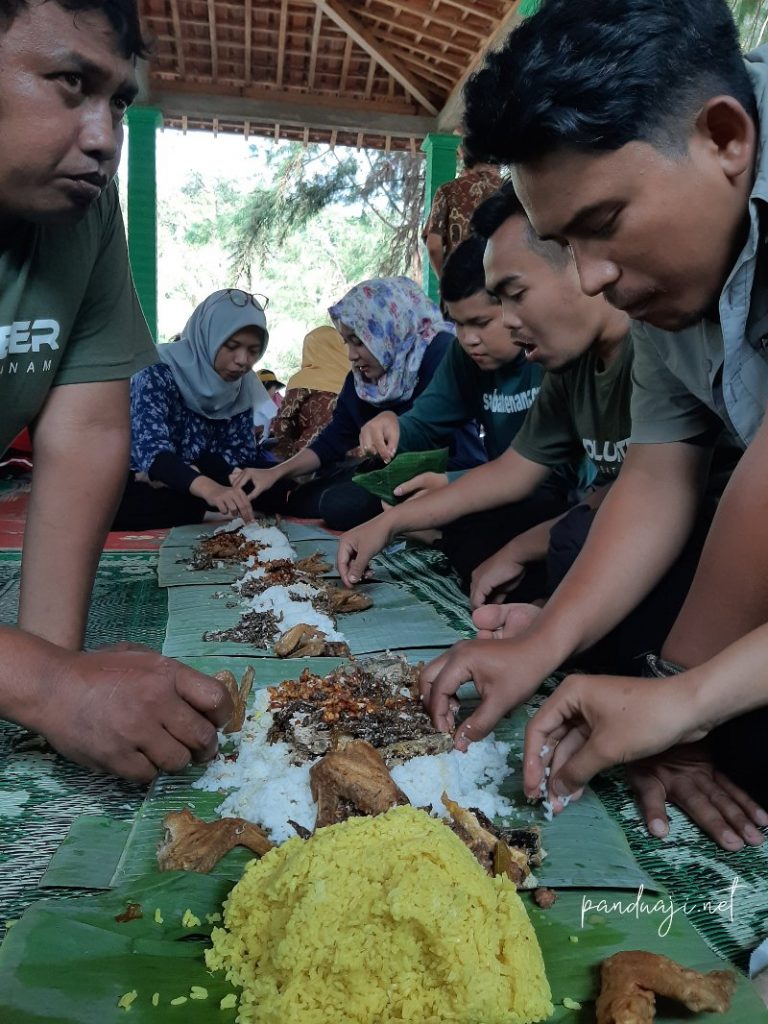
[377,920]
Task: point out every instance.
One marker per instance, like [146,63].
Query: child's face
[481,330]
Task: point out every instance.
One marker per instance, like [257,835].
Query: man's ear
[729,132]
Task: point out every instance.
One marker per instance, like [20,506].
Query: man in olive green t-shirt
[71,335]
[564,331]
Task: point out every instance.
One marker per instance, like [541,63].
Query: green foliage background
[301,224]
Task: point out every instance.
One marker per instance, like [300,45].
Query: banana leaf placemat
[188,536]
[174,565]
[585,848]
[405,466]
[396,621]
[70,963]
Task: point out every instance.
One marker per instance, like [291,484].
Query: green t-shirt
[460,392]
[582,410]
[68,312]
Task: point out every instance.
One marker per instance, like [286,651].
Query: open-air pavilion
[384,74]
[111,893]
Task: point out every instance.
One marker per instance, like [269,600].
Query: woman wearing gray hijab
[192,417]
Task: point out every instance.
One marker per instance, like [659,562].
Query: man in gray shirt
[633,131]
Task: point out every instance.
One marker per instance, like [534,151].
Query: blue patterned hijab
[191,358]
[395,321]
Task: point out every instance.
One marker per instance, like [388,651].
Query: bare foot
[503,621]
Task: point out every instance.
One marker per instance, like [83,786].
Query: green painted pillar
[529,7]
[441,167]
[143,123]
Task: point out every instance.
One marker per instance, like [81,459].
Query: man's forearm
[80,469]
[733,682]
[435,252]
[630,546]
[28,670]
[507,479]
[729,594]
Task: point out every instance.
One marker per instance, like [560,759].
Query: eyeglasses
[241,298]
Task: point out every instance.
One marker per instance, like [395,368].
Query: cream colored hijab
[324,362]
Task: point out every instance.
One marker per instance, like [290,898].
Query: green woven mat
[41,795]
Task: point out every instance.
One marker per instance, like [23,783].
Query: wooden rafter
[178,38]
[314,48]
[342,17]
[213,39]
[432,19]
[370,78]
[289,108]
[281,42]
[345,64]
[248,33]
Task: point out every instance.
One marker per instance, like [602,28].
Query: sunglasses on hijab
[240,298]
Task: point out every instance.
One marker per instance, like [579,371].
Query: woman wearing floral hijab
[395,338]
[192,417]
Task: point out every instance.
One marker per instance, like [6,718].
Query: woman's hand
[260,479]
[380,436]
[232,501]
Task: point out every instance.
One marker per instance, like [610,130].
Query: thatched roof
[378,73]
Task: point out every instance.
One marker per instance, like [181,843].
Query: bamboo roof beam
[314,47]
[248,35]
[178,38]
[281,43]
[343,17]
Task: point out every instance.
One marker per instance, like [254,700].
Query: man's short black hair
[493,211]
[463,274]
[598,74]
[498,208]
[123,16]
[470,159]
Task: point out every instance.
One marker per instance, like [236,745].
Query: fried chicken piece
[315,564]
[239,695]
[632,980]
[344,602]
[353,778]
[191,844]
[491,851]
[296,638]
